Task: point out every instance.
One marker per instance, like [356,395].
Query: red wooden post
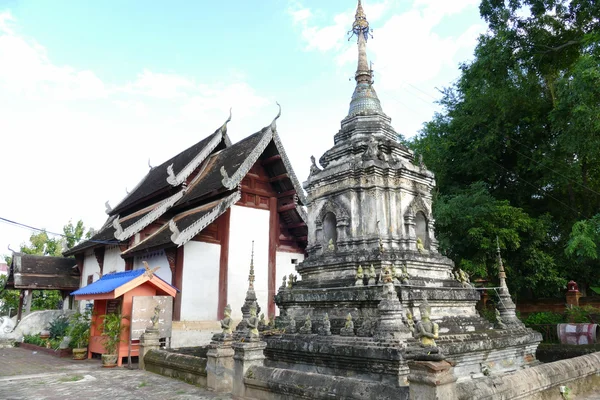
[223,262]
[273,241]
[178,283]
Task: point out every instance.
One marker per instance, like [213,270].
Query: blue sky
[89,91]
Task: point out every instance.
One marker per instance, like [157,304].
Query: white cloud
[25,69]
[6,19]
[67,157]
[159,85]
[300,15]
[216,98]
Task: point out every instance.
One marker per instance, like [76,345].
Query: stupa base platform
[476,354]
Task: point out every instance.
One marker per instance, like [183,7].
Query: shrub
[79,329]
[542,318]
[581,315]
[58,327]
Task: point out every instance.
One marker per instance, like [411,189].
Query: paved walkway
[27,375]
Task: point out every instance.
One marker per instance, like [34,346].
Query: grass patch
[73,378]
[143,384]
[180,391]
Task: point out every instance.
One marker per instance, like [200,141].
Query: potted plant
[79,332]
[112,328]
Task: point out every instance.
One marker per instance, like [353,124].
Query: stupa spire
[501,273]
[361,29]
[364,99]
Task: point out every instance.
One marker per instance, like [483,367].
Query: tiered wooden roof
[185,194]
[42,272]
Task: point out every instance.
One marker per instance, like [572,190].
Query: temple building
[199,216]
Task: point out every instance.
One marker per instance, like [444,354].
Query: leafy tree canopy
[515,149]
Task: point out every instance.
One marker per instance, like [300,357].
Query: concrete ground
[28,375]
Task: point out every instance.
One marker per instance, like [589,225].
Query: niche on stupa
[330,224]
[417,223]
[422,229]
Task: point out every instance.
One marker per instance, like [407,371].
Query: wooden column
[20,310]
[273,241]
[129,264]
[178,283]
[171,254]
[99,253]
[223,261]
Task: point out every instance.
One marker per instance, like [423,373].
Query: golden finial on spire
[360,25]
[361,29]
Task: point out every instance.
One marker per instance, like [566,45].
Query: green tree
[520,127]
[9,299]
[42,244]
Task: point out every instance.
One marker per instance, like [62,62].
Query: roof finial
[274,123]
[224,126]
[501,273]
[361,29]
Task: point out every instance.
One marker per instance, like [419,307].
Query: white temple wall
[155,259]
[90,267]
[112,260]
[200,280]
[247,224]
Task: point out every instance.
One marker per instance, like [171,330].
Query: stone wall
[580,375]
[264,383]
[188,368]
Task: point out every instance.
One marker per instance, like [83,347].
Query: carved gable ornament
[341,215]
[416,205]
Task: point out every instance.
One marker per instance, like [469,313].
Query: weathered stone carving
[420,246]
[326,328]
[366,328]
[410,322]
[499,323]
[331,246]
[372,275]
[313,166]
[404,276]
[427,331]
[262,324]
[283,284]
[291,328]
[348,329]
[307,327]
[226,322]
[462,277]
[359,276]
[290,281]
[253,335]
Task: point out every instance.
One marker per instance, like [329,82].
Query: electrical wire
[21,225]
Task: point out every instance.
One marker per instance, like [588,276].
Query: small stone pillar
[432,380]
[219,366]
[247,354]
[390,326]
[148,341]
[573,294]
